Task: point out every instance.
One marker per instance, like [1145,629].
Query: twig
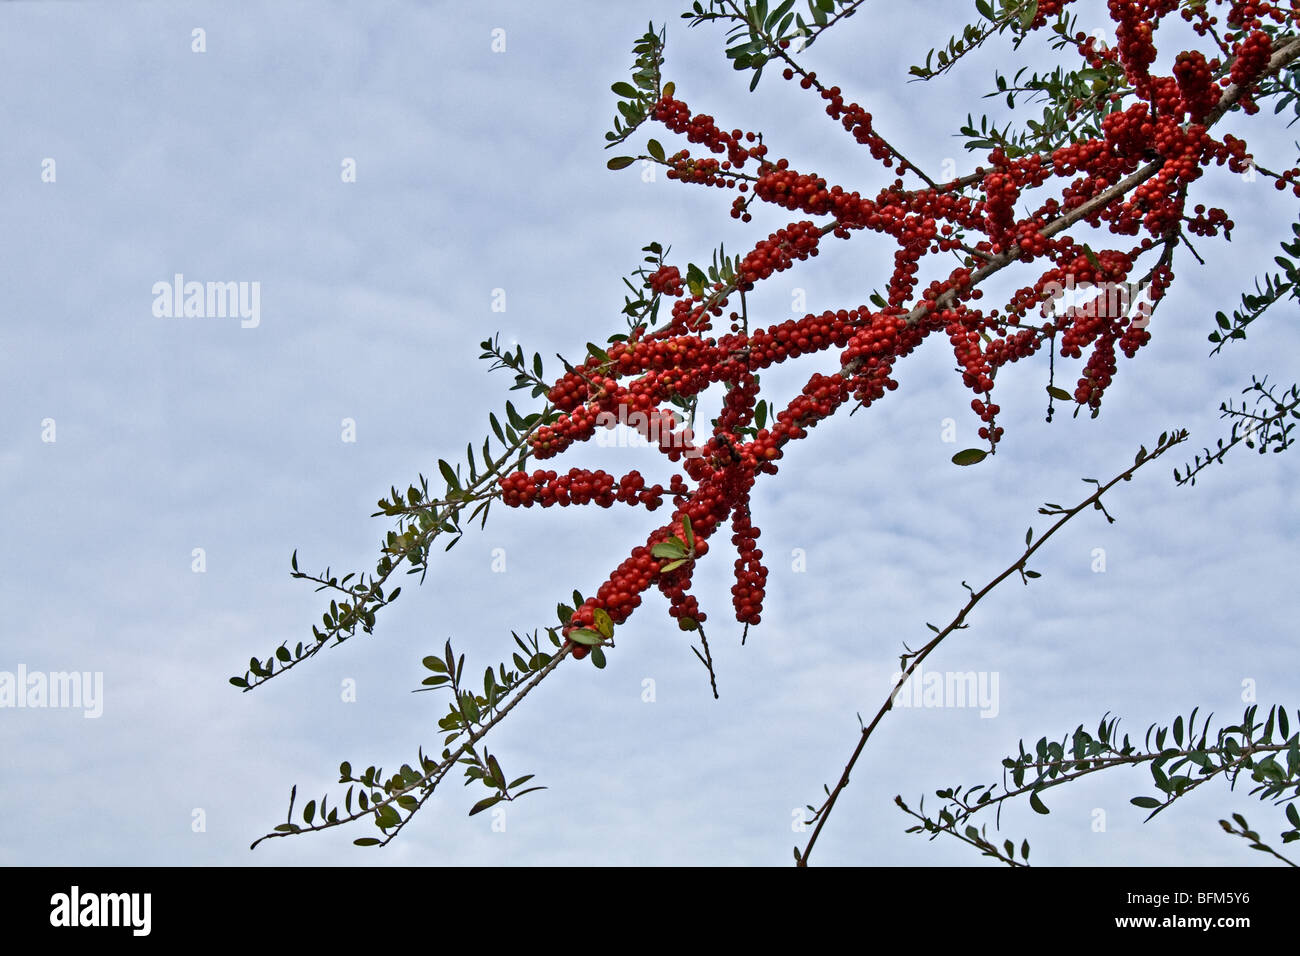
[958,622]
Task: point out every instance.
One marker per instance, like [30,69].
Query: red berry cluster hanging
[1196,84]
[1158,146]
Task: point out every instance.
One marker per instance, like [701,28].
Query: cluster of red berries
[1134,32]
[856,121]
[1250,57]
[965,339]
[795,337]
[784,187]
[872,351]
[699,128]
[1243,13]
[1001,192]
[1161,139]
[704,172]
[666,280]
[751,576]
[1209,222]
[1196,84]
[579,487]
[779,251]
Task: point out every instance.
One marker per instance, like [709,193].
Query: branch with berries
[1132,171]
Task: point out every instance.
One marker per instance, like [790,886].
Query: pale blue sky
[480,170]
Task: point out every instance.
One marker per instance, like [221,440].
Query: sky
[149,541]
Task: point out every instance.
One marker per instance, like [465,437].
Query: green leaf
[435,664]
[239,682]
[470,707]
[604,624]
[689,532]
[625,90]
[672,565]
[775,16]
[366,841]
[1146,803]
[1060,394]
[485,803]
[1087,250]
[449,474]
[585,636]
[620,162]
[672,548]
[498,778]
[655,150]
[598,657]
[969,456]
[1037,804]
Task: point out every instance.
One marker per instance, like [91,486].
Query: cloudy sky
[130,158]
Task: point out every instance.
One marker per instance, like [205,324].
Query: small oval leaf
[485,803]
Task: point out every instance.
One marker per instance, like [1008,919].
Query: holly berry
[1153,133]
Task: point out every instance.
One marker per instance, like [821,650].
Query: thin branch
[707,660]
[958,622]
[432,778]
